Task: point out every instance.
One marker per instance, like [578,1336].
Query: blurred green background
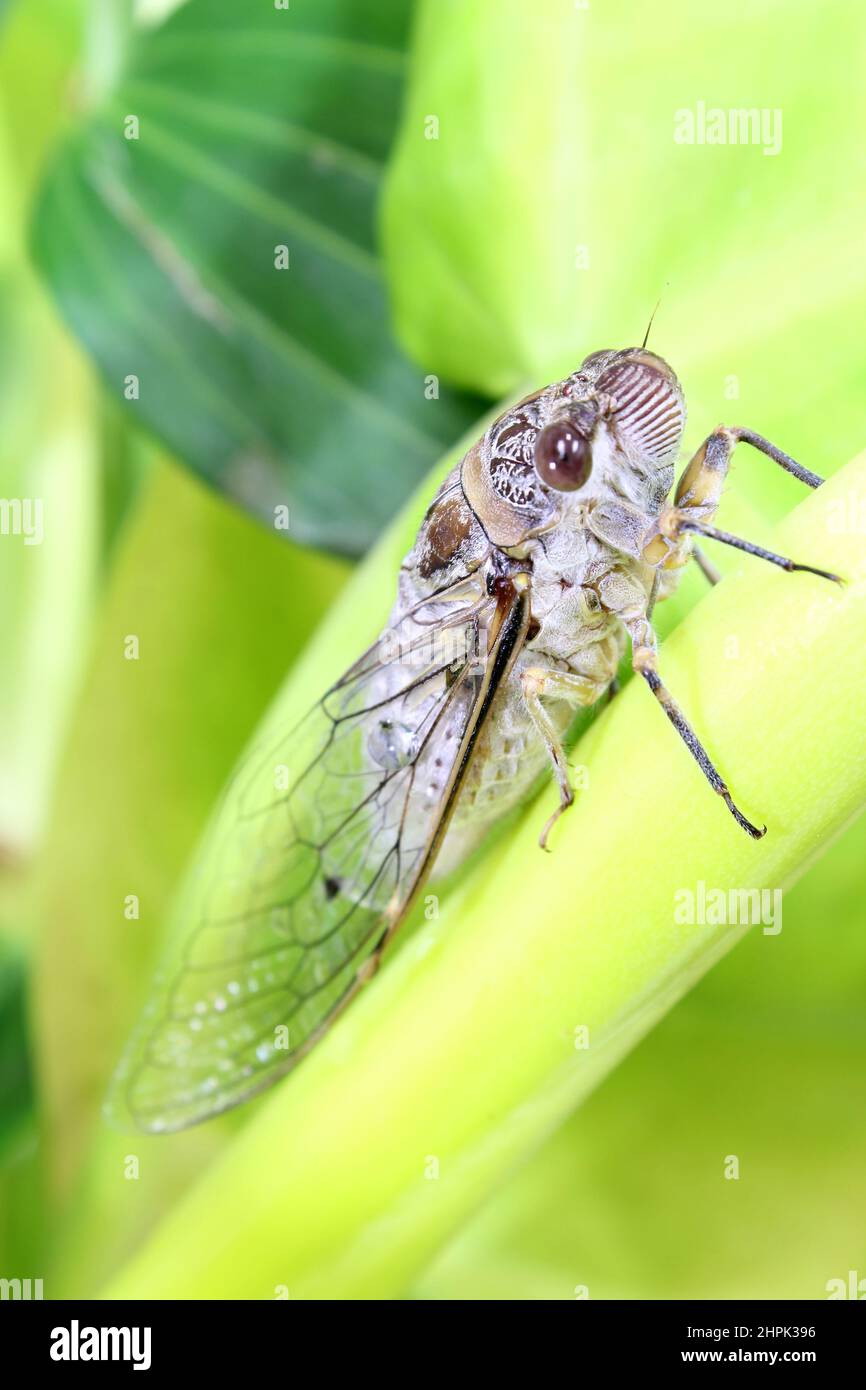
[254,257]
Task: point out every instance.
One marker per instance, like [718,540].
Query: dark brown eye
[563,457]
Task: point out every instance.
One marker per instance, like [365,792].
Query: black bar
[241,1339]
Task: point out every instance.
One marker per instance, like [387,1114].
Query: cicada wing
[317,848]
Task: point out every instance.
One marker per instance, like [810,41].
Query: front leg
[697,497]
[539,683]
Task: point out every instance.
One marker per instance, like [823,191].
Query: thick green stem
[468,1049]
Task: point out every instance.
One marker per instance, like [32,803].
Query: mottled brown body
[581,550]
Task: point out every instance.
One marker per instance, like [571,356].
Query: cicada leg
[706,566]
[667,547]
[697,497]
[645,663]
[546,683]
[621,595]
[713,533]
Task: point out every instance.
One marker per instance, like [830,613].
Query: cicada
[535,568]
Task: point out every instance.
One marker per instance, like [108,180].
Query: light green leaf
[764,1061]
[463,1050]
[48,448]
[556,206]
[559,156]
[219,609]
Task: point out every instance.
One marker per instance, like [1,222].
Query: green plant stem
[461,1057]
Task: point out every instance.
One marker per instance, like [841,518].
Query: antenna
[650,324]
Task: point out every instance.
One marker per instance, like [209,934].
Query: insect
[537,564]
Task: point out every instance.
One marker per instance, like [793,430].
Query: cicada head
[610,430]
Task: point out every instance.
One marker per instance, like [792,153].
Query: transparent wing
[318,848]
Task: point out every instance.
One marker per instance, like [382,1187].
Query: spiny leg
[712,533]
[697,497]
[539,683]
[757,441]
[645,664]
[695,502]
[700,486]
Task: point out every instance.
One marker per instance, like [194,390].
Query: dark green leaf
[259,128]
[16,1086]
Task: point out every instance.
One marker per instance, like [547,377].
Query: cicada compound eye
[563,457]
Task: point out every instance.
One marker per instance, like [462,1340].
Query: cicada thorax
[500,480]
[450,544]
[567,482]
